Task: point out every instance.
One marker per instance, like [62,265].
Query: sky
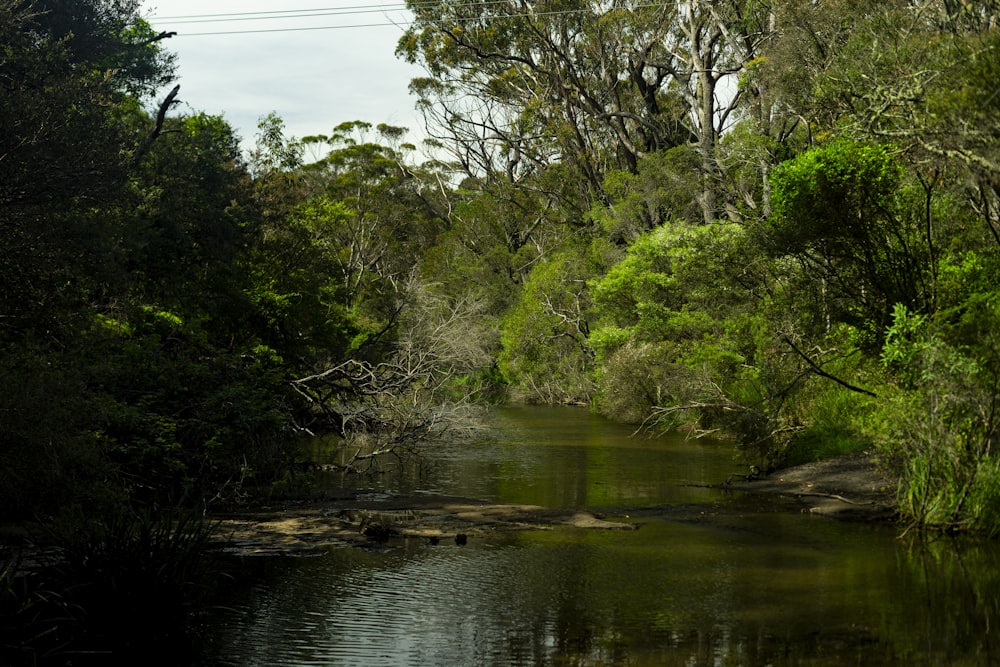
[314,79]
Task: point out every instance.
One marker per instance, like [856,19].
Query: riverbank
[850,487]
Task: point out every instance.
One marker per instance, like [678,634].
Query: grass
[125,588]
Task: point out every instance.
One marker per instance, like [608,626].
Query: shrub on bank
[129,584]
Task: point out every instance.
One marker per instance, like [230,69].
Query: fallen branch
[830,495]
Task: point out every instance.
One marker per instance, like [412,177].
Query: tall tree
[380,211]
[709,45]
[67,129]
[595,86]
[532,83]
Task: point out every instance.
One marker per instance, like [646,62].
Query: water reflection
[562,457]
[726,581]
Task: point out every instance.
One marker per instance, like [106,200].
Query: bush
[636,379]
[939,427]
[546,355]
[45,457]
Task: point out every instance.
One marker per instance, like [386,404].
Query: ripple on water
[737,584]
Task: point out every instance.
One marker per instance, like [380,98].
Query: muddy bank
[846,487]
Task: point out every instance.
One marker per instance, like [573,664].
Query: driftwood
[834,496]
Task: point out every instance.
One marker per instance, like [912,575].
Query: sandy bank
[376,520]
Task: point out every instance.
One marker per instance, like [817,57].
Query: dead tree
[390,408]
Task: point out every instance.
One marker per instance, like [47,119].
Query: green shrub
[636,379]
[939,427]
[546,355]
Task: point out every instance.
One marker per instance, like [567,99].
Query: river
[709,578]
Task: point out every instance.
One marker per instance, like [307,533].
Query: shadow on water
[708,579]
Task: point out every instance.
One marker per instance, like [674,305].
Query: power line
[351,9]
[366,25]
[225,18]
[317,27]
[275,12]
[271,18]
[282,14]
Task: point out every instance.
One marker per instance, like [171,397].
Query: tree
[551,83]
[837,211]
[66,131]
[186,225]
[111,39]
[923,89]
[336,275]
[387,210]
[547,356]
[709,46]
[664,190]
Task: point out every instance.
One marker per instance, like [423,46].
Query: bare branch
[819,371]
[392,407]
[157,130]
[156,38]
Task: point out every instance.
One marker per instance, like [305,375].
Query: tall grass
[30,616]
[941,435]
[124,587]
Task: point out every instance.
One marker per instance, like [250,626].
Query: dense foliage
[779,221]
[774,221]
[162,292]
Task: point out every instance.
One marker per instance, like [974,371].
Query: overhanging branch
[819,371]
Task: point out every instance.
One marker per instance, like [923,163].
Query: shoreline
[849,487]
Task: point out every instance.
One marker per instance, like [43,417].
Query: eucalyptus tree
[523,85]
[373,209]
[709,46]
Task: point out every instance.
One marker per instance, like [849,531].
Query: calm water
[709,579]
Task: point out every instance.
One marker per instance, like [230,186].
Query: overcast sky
[313,79]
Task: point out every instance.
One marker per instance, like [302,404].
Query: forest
[775,222]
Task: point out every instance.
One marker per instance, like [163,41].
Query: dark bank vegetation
[774,221]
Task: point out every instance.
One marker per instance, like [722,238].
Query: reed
[113,587]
